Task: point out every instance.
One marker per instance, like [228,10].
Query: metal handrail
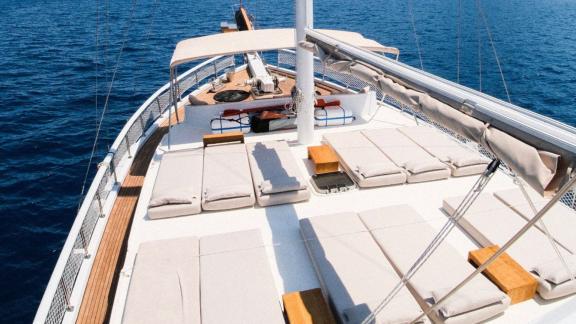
[58,296]
[286,57]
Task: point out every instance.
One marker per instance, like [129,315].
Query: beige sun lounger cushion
[461,160]
[559,220]
[420,165]
[403,235]
[178,185]
[491,222]
[165,285]
[236,280]
[227,179]
[367,165]
[353,271]
[276,176]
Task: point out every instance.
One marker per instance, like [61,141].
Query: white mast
[304,73]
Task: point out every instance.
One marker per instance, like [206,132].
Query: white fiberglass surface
[288,258]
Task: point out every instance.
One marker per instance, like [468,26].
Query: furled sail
[541,169]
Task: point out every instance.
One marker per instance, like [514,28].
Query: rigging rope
[565,188]
[411,12]
[479,34]
[152,20]
[460,211]
[105,107]
[458,41]
[544,227]
[483,16]
[107,49]
[148,34]
[96,61]
[106,38]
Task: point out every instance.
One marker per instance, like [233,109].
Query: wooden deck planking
[237,83]
[99,295]
[101,287]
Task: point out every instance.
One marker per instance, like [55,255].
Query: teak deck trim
[239,77]
[98,297]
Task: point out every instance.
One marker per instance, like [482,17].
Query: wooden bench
[209,139]
[506,273]
[324,159]
[307,307]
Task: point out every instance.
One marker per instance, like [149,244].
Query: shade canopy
[259,40]
[539,150]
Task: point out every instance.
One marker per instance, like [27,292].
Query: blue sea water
[48,88]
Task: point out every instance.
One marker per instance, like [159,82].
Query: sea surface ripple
[48,81]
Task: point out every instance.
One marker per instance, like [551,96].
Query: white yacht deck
[279,225]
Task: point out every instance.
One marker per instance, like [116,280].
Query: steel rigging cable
[105,108]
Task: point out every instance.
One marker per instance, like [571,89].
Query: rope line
[483,16]
[412,21]
[148,34]
[459,212]
[458,36]
[502,249]
[107,49]
[479,35]
[106,102]
[97,61]
[544,228]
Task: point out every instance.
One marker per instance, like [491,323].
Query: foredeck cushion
[164,285]
[275,174]
[185,196]
[403,235]
[281,185]
[556,271]
[559,220]
[421,166]
[465,300]
[461,160]
[178,185]
[353,271]
[490,222]
[370,170]
[356,152]
[236,281]
[227,179]
[226,192]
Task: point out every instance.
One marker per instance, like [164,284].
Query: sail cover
[543,170]
[259,40]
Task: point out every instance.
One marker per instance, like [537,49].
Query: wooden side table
[324,158]
[506,273]
[307,307]
[223,138]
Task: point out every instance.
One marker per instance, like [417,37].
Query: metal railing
[64,291]
[287,59]
[64,285]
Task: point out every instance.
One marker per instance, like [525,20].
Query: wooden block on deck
[307,307]
[506,273]
[223,138]
[324,159]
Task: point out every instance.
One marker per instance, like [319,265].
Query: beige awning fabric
[259,40]
[540,169]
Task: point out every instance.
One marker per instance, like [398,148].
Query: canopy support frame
[545,228]
[563,190]
[460,211]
